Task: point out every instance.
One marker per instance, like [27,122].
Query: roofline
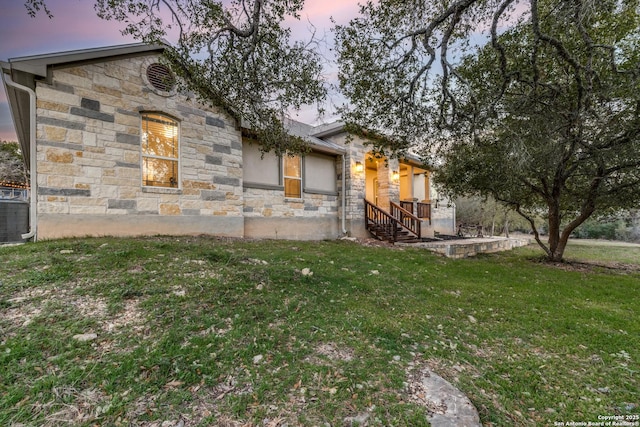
[26,70]
[330,129]
[315,144]
[325,149]
[413,160]
[38,64]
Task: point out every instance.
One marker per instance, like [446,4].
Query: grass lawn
[209,331]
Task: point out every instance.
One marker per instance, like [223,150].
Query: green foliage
[542,114]
[11,163]
[490,214]
[236,54]
[594,229]
[624,226]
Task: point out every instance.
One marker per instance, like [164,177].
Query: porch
[469,247]
[398,224]
[398,200]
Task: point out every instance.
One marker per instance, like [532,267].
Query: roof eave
[324,131]
[39,64]
[326,149]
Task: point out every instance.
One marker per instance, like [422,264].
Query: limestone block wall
[388,189]
[273,204]
[356,182]
[89,157]
[269,214]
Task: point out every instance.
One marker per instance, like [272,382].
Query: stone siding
[272,203]
[355,181]
[89,153]
[388,189]
[89,167]
[470,247]
[269,214]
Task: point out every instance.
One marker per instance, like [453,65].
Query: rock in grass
[358,420]
[257,359]
[85,337]
[307,272]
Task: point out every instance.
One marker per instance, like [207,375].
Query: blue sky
[76,26]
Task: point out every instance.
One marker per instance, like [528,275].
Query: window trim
[321,192]
[298,178]
[178,159]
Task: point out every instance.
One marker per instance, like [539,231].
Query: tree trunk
[556,250]
[562,245]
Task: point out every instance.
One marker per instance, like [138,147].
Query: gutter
[344,194]
[32,155]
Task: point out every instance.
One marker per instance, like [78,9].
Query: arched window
[160,151]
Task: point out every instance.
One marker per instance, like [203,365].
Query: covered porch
[397,199]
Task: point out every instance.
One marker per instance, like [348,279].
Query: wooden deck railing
[408,219]
[377,220]
[422,210]
[406,205]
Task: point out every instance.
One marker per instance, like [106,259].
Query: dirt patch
[332,352]
[131,315]
[72,406]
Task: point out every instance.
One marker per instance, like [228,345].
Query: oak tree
[533,103]
[234,54]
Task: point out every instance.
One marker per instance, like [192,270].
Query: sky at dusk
[76,26]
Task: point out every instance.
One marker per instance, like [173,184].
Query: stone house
[114,149]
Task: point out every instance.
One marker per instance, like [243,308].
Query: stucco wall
[89,157]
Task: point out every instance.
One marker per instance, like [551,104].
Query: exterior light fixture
[395,175]
[359,167]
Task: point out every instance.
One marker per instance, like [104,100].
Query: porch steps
[397,225]
[382,232]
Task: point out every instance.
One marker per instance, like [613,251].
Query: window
[159,151]
[292,176]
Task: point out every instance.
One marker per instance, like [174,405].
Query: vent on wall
[160,77]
